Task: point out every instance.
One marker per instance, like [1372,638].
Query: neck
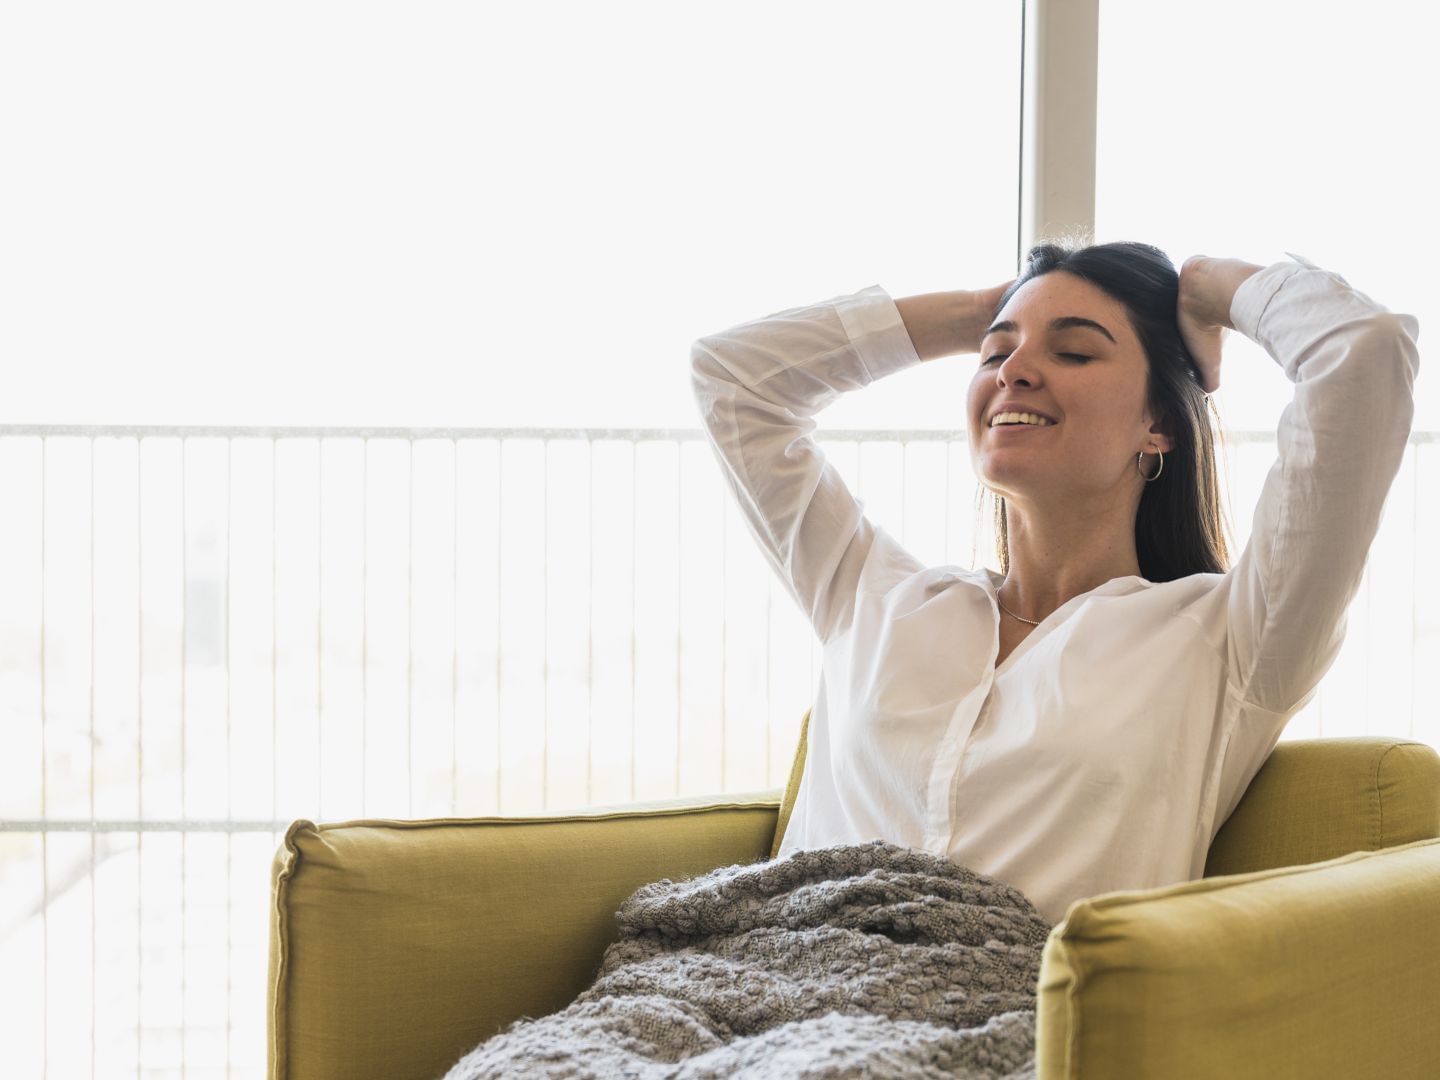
[1051,563]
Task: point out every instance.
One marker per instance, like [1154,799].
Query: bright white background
[1247,130]
[458,214]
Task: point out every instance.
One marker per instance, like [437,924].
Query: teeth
[1019,418]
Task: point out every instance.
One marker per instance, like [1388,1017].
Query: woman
[1085,720]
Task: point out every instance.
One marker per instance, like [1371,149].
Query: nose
[1013,376]
[1014,369]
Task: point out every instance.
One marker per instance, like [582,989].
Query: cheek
[972,396]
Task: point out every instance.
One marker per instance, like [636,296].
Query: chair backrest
[792,786]
[1312,800]
[1318,799]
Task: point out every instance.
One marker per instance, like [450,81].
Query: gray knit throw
[864,960]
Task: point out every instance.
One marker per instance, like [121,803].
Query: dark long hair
[1179,524]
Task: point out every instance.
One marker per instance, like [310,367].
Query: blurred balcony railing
[206,633]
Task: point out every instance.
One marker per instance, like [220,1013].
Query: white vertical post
[1057,167]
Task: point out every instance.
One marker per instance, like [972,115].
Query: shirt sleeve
[758,386]
[1340,441]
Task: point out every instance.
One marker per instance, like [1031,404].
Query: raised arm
[759,384]
[1282,607]
[948,323]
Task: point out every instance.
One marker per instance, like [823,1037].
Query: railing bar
[93,965]
[410,644]
[139,755]
[184,809]
[590,632]
[499,540]
[229,776]
[45,984]
[545,625]
[274,636]
[92,955]
[454,624]
[139,950]
[44,784]
[92,763]
[49,825]
[634,528]
[320,628]
[1369,641]
[679,609]
[814,641]
[592,434]
[770,586]
[724,633]
[1414,581]
[365,627]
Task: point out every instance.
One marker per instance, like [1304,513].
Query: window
[460,216]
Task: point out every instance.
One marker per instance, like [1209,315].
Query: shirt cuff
[1252,298]
[875,328]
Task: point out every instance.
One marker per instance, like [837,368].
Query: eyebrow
[1065,322]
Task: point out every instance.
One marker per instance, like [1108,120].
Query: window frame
[1059,70]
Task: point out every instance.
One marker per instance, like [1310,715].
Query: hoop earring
[1140,457]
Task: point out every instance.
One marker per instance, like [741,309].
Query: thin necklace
[1032,622]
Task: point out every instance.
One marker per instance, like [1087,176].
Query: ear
[1159,437]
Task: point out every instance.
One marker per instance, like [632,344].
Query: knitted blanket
[869,960]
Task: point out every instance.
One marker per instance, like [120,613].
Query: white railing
[206,633]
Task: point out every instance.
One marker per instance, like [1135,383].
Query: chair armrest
[397,946]
[1329,969]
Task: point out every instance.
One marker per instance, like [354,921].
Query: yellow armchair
[1311,948]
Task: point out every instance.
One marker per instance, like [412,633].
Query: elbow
[704,361]
[1389,343]
[1401,332]
[706,373]
[1396,323]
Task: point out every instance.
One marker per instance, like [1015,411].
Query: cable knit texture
[869,960]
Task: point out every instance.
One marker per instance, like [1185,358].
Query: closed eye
[1067,356]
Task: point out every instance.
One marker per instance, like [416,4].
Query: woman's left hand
[1207,287]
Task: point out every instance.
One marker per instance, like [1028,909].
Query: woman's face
[1089,379]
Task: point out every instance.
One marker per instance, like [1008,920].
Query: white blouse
[1110,746]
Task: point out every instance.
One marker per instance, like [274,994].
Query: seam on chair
[1072,1044]
[1379,802]
[1379,816]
